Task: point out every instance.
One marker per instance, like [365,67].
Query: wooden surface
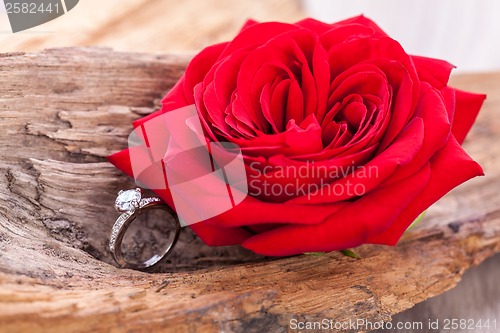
[476,297]
[63,110]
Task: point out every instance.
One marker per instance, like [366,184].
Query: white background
[464,32]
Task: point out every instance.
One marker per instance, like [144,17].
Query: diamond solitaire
[128,200]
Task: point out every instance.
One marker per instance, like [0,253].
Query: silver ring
[131,204]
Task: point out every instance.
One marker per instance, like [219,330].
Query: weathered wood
[63,110]
[475,299]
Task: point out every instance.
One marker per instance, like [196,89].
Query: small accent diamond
[116,229]
[147,201]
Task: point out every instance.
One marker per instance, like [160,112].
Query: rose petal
[361,19]
[198,67]
[342,34]
[374,172]
[278,104]
[214,110]
[406,91]
[256,35]
[359,80]
[202,112]
[348,227]
[295,104]
[449,168]
[121,160]
[294,141]
[255,212]
[321,74]
[314,25]
[467,109]
[287,56]
[434,71]
[217,236]
[450,101]
[249,23]
[437,129]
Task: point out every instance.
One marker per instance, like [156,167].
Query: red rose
[320,98]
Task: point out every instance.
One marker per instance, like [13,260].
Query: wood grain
[63,110]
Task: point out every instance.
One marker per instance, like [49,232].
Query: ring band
[131,204]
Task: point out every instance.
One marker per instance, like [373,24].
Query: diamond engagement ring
[131,204]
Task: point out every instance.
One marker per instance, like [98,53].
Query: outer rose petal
[248,24]
[449,168]
[199,66]
[216,236]
[314,25]
[251,212]
[434,71]
[348,227]
[363,21]
[257,35]
[467,108]
[121,160]
[345,33]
